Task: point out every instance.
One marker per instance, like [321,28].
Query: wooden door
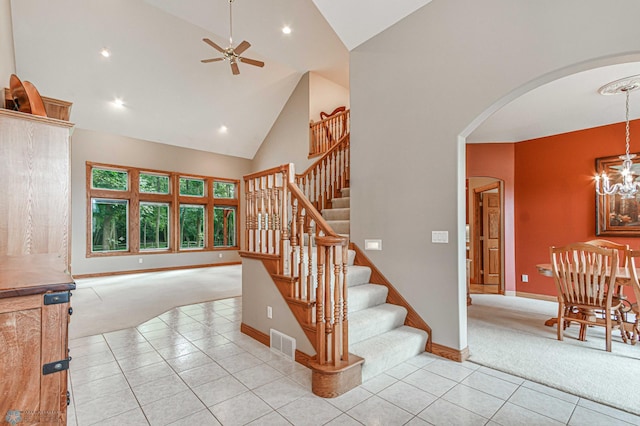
[20,366]
[491,239]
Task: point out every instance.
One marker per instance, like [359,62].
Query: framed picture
[616,215]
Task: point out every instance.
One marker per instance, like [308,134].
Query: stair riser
[339,226]
[336,214]
[341,203]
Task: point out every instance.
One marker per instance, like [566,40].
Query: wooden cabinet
[35,284]
[35,181]
[34,318]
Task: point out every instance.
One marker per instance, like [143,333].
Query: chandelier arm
[627,136]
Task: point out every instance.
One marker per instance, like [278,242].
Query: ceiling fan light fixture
[232,54]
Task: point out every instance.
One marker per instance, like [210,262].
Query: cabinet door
[20,369]
[53,392]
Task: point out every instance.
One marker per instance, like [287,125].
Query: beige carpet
[112,303]
[508,334]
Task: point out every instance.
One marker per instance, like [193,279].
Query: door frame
[475,235]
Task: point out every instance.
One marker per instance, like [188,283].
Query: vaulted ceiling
[169,96]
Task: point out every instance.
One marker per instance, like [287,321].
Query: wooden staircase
[333,290]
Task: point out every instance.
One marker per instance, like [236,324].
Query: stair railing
[324,179]
[325,133]
[281,222]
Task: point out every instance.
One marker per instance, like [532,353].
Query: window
[109,179]
[224,190]
[132,210]
[224,226]
[191,226]
[109,225]
[225,231]
[154,184]
[154,226]
[192,187]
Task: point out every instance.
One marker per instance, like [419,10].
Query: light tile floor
[192,366]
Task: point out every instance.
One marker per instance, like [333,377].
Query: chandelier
[628,187]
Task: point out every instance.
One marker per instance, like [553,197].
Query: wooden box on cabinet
[34,318]
[55,108]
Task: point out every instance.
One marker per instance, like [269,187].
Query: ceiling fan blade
[252,62]
[242,47]
[212,44]
[234,68]
[206,61]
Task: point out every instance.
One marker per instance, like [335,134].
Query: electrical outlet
[139,260]
[220,255]
[269,312]
[525,278]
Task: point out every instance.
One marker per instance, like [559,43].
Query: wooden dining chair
[635,284]
[621,282]
[585,277]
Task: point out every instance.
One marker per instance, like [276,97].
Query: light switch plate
[440,237]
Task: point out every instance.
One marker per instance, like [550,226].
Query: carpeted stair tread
[366,296]
[339,226]
[341,203]
[346,192]
[388,349]
[336,214]
[369,322]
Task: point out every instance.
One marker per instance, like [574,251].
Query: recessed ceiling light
[286,29]
[105,52]
[118,103]
[223,129]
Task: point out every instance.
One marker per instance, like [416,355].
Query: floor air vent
[283,344]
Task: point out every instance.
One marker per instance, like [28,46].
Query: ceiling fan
[232,54]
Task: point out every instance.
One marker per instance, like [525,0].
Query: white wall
[122,151]
[7,55]
[325,95]
[457,61]
[288,139]
[259,291]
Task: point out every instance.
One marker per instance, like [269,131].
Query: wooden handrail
[325,178]
[325,133]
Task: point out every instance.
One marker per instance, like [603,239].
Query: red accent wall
[496,160]
[553,193]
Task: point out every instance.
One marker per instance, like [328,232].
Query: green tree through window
[191,226]
[109,225]
[109,179]
[154,226]
[194,187]
[154,184]
[224,226]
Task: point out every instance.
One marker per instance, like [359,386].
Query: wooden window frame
[174,199]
